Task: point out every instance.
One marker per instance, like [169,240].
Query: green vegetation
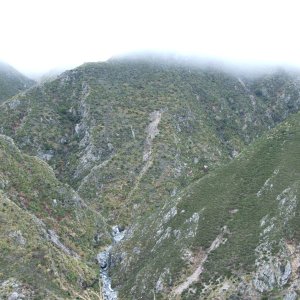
[90,125]
[35,262]
[12,82]
[239,196]
[177,153]
[33,202]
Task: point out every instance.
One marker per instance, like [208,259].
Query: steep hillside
[233,234]
[48,236]
[12,82]
[156,151]
[129,133]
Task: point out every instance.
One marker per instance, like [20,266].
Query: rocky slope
[233,234]
[141,144]
[12,82]
[129,132]
[47,231]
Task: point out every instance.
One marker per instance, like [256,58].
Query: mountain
[233,234]
[12,82]
[164,152]
[104,126]
[47,231]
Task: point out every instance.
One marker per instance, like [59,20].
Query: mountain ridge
[12,82]
[134,143]
[73,110]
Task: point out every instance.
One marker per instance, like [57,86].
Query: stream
[103,259]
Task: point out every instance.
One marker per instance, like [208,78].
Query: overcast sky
[39,35]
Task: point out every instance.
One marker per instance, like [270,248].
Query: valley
[177,180]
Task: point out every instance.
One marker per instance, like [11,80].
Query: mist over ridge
[237,67]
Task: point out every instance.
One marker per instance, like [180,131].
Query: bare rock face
[290,295]
[274,270]
[12,289]
[271,275]
[18,237]
[151,131]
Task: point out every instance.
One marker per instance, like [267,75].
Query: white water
[104,263]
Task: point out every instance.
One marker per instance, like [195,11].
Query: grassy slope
[207,116]
[33,202]
[237,196]
[35,262]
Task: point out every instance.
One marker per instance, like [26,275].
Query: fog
[38,36]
